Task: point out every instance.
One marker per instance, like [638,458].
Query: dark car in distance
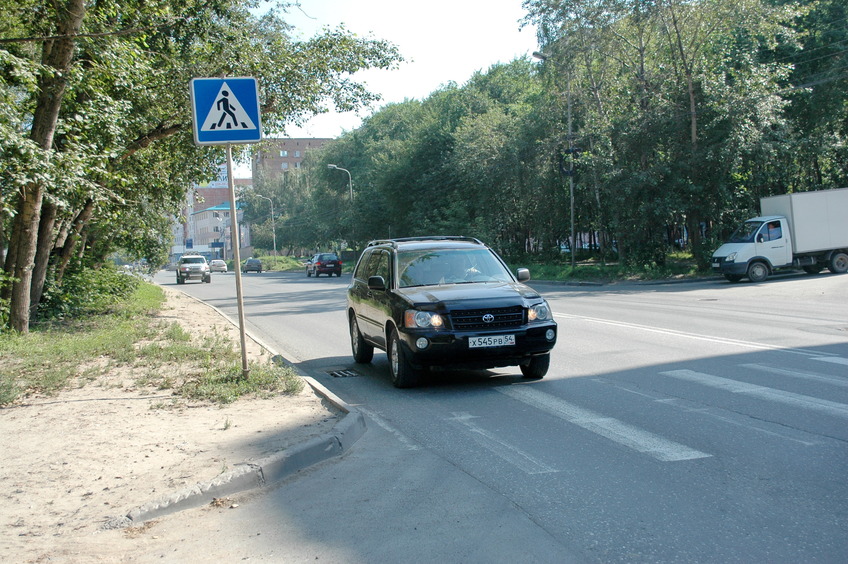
[252,264]
[446,301]
[324,263]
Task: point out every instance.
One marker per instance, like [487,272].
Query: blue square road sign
[225,111]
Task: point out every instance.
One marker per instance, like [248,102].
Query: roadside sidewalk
[113,452]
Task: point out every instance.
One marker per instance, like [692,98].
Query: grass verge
[143,351]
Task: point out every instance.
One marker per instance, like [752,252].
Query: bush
[86,291]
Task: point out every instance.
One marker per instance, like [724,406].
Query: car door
[369,304]
[773,243]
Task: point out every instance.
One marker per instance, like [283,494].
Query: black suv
[446,301]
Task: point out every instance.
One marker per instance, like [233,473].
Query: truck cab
[759,246]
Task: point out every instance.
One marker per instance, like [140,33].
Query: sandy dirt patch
[72,464]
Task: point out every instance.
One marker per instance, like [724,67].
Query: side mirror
[760,238]
[523,275]
[376,283]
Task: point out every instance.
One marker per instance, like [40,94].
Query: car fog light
[550,334]
[422,343]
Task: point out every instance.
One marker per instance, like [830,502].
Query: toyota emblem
[488,318]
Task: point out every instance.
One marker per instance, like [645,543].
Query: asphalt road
[692,422]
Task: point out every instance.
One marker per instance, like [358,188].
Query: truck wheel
[757,272]
[734,278]
[839,262]
[403,374]
[537,367]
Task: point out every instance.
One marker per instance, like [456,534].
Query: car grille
[502,317]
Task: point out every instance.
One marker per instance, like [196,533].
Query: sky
[442,41]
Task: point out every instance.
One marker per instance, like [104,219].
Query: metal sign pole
[235,237]
[226,111]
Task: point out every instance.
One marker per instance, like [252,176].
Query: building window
[297,154]
[297,164]
[284,153]
[285,166]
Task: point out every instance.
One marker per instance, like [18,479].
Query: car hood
[477,294]
[728,248]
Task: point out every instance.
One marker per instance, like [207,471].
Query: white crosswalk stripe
[613,429]
[761,392]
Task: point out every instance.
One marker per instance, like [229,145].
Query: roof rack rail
[397,240]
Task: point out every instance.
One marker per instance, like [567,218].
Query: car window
[362,266]
[382,267]
[450,266]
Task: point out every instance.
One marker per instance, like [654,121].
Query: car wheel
[362,351]
[838,263]
[208,279]
[308,273]
[757,272]
[402,372]
[537,367]
[180,280]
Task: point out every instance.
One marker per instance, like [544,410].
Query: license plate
[491,341]
[715,265]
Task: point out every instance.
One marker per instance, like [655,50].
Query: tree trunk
[70,243]
[43,250]
[57,54]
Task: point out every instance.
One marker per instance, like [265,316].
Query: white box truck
[806,230]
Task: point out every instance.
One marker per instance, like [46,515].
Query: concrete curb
[268,470]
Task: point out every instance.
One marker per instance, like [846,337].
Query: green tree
[100,137]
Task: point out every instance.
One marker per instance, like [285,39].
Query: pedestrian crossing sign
[225,111]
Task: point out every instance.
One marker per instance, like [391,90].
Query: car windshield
[193,260]
[746,232]
[432,267]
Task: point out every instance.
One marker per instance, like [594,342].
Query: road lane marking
[833,359]
[689,406]
[608,427]
[404,440]
[720,340]
[511,454]
[761,392]
[834,380]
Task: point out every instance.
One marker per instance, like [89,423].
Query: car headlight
[422,319]
[731,257]
[539,312]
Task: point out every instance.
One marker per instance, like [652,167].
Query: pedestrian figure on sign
[223,106]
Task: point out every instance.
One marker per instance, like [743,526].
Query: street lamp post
[572,243]
[273,223]
[349,178]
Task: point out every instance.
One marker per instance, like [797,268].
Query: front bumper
[192,274]
[451,348]
[720,266]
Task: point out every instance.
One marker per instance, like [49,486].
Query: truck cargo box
[818,221]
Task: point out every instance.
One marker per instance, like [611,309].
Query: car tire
[838,263]
[308,273]
[208,279]
[537,367]
[362,351]
[402,372]
[758,271]
[180,280]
